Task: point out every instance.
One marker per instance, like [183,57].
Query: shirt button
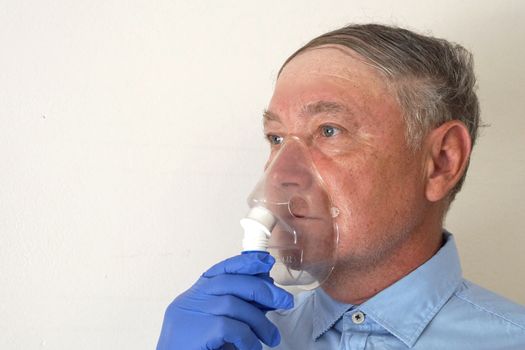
[358,317]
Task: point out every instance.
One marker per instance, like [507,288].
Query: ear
[447,158]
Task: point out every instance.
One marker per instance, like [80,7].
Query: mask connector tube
[257,226]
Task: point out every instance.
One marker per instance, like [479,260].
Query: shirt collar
[406,307]
[327,312]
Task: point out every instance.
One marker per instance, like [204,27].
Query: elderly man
[392,120]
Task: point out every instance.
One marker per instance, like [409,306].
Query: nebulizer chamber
[292,217]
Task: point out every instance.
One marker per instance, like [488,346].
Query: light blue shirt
[433,307]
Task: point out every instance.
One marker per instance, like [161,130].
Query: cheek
[351,180]
[348,187]
[368,192]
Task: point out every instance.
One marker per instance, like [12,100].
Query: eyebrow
[310,110]
[323,107]
[270,116]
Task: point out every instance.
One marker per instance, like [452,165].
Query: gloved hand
[226,306]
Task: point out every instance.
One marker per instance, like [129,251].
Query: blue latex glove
[226,306]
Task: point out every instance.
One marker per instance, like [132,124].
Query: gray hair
[433,79]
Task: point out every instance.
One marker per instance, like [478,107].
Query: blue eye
[329,131]
[275,139]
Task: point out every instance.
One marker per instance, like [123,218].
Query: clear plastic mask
[303,235]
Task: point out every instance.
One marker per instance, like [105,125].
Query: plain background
[130,136]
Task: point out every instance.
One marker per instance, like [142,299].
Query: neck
[352,285]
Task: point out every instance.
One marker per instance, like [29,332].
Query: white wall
[130,136]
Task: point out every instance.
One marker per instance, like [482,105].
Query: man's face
[352,124]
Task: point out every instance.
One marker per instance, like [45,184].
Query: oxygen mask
[292,217]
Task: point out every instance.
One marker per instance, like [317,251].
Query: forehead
[328,59]
[329,72]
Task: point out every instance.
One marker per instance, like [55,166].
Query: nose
[291,167]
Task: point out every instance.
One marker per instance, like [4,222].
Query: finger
[269,279]
[249,264]
[240,310]
[227,330]
[249,288]
[265,276]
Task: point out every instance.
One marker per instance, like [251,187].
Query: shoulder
[489,305]
[476,318]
